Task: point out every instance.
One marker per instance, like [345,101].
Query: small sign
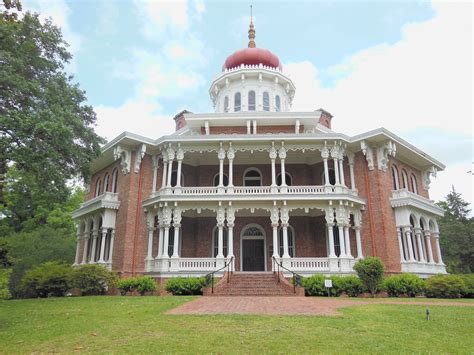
[328,283]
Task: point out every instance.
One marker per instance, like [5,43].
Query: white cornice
[403,197]
[107,200]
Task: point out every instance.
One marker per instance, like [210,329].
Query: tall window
[226,104]
[404,179]
[215,243]
[291,242]
[288,179]
[114,180]
[108,241]
[225,180]
[337,242]
[252,178]
[414,188]
[266,101]
[89,245]
[251,100]
[237,102]
[98,187]
[277,103]
[98,244]
[396,182]
[106,183]
[171,240]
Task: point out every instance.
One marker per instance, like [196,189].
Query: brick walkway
[285,305]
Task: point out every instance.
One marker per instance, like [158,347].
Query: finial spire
[251,31]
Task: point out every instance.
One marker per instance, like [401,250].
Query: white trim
[264,237]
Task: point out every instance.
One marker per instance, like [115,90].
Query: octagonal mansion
[254,184]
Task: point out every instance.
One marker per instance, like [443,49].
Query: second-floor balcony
[107,200]
[403,197]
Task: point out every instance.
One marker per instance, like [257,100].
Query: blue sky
[404,65]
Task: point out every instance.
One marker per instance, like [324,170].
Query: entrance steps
[253,284]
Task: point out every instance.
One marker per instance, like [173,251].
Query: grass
[138,325]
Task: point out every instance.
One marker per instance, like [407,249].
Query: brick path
[285,305]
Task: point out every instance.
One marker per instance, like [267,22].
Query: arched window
[414,188]
[396,182]
[224,178]
[114,180]
[251,100]
[266,101]
[108,242]
[98,187]
[291,241]
[89,245]
[237,102]
[277,103]
[337,242]
[226,104]
[171,240]
[404,179]
[252,178]
[288,179]
[332,177]
[106,183]
[215,242]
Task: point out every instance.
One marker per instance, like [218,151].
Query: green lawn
[137,324]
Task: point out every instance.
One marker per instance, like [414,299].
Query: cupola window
[251,100]
[237,102]
[266,101]
[277,103]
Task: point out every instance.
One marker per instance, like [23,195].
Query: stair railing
[229,270]
[296,277]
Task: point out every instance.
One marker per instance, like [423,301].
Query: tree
[457,234]
[370,270]
[46,129]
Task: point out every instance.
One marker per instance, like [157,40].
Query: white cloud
[420,84]
[200,7]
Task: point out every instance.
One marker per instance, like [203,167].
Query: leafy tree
[46,128]
[457,234]
[370,270]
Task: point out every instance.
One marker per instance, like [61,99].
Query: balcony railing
[403,197]
[106,200]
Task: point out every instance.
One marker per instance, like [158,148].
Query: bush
[48,279]
[469,283]
[126,285]
[403,284]
[370,271]
[445,286]
[141,284]
[186,285]
[351,285]
[4,281]
[93,279]
[314,285]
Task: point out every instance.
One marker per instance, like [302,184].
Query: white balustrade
[197,264]
[244,190]
[308,264]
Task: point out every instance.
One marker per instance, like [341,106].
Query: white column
[438,249]
[165,170]
[407,231]
[336,171]
[420,247]
[341,240]
[286,254]
[155,171]
[165,242]
[159,255]
[332,251]
[430,249]
[178,177]
[273,173]
[230,231]
[221,156]
[170,171]
[254,126]
[272,154]
[111,250]
[276,245]
[282,156]
[326,172]
[177,235]
[360,255]
[150,243]
[231,156]
[102,246]
[348,241]
[78,248]
[341,170]
[249,131]
[86,247]
[350,158]
[94,246]
[400,246]
[220,240]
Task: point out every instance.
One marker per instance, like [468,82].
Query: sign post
[328,284]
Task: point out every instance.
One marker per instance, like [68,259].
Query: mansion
[254,182]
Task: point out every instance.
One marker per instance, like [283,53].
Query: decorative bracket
[369,154]
[427,176]
[139,156]
[383,152]
[124,155]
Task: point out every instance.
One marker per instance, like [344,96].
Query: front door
[253,255]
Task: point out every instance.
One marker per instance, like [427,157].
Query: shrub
[370,271]
[445,286]
[93,279]
[469,283]
[314,285]
[145,284]
[48,279]
[351,285]
[403,284]
[4,281]
[126,285]
[186,285]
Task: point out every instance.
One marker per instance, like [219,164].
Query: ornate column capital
[230,216]
[350,157]
[180,154]
[284,216]
[155,159]
[171,153]
[220,217]
[221,153]
[230,153]
[272,153]
[177,216]
[282,153]
[324,152]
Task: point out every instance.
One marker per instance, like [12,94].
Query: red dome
[252,56]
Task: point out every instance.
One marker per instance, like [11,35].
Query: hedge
[351,285]
[93,279]
[469,283]
[403,284]
[180,286]
[445,286]
[45,280]
[141,284]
